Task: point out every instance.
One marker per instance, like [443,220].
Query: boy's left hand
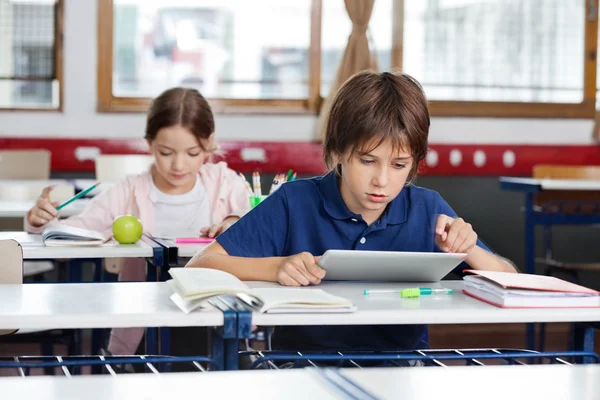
[454,235]
[216,229]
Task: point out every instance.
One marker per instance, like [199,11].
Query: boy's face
[370,181]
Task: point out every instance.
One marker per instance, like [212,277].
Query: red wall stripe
[306,157]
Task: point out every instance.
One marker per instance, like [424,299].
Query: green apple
[127,229]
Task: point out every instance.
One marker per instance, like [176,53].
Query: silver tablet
[397,266]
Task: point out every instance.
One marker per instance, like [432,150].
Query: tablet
[397,266]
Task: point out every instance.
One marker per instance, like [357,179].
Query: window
[31,54]
[236,50]
[517,58]
[498,56]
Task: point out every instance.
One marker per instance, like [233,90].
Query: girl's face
[177,158]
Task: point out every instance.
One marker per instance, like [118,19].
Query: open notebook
[508,290]
[192,287]
[63,235]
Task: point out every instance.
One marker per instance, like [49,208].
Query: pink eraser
[195,240]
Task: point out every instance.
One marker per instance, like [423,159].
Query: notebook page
[192,282]
[299,298]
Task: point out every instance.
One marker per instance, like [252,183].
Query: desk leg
[584,339]
[229,334]
[224,343]
[217,352]
[529,257]
[529,235]
[151,332]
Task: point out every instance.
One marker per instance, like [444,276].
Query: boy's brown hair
[181,106]
[373,107]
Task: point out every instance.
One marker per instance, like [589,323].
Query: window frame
[58,65]
[107,102]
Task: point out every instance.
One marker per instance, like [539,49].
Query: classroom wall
[495,214]
[80,118]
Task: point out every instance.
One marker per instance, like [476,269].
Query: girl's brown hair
[373,107]
[181,106]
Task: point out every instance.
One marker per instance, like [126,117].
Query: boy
[375,138]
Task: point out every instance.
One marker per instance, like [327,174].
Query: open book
[63,235]
[194,286]
[509,290]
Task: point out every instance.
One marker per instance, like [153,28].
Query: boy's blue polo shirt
[310,215]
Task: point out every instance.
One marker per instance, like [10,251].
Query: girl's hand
[216,229]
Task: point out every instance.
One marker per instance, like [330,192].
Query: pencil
[77,196]
[256,183]
[247,185]
[275,183]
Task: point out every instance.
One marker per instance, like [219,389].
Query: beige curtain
[357,56]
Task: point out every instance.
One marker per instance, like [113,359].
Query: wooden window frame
[107,102]
[58,64]
[456,108]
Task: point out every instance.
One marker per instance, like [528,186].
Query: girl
[180,196]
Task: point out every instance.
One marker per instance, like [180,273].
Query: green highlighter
[410,292]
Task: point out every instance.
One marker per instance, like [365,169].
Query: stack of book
[508,290]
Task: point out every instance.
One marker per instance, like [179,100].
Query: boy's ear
[149,145]
[336,158]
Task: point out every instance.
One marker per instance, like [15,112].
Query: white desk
[184,250]
[96,305]
[553,184]
[189,250]
[33,248]
[547,382]
[80,184]
[19,208]
[393,310]
[247,385]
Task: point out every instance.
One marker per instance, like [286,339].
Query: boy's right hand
[300,270]
[44,209]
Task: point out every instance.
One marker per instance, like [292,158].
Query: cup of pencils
[255,191]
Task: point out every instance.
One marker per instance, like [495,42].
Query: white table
[247,385]
[547,382]
[184,250]
[34,248]
[19,208]
[189,250]
[96,305]
[457,308]
[552,184]
[80,184]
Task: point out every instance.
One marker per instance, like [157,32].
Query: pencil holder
[255,200]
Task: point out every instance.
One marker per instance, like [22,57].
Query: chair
[114,167]
[26,191]
[12,273]
[12,268]
[25,164]
[568,202]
